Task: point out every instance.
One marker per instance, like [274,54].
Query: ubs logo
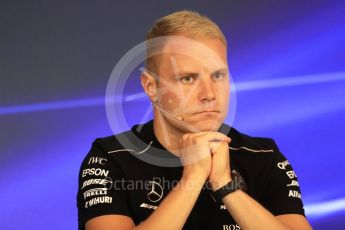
[154,191]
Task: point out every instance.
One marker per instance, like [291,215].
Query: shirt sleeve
[283,194]
[96,191]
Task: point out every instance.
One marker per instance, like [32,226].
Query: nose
[206,92]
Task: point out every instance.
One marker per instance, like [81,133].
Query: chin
[208,125]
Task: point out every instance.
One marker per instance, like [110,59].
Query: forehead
[207,54]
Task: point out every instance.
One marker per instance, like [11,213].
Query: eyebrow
[186,73]
[194,74]
[220,70]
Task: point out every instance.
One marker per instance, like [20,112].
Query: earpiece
[180,118]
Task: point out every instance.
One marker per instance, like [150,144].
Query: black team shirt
[117,178]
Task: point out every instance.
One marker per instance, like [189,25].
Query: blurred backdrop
[287,59]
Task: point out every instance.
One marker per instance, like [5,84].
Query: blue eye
[218,76]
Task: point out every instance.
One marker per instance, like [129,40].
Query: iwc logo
[154,191]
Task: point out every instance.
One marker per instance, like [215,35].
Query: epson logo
[95,171]
[97,160]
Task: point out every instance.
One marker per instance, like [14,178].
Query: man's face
[194,83]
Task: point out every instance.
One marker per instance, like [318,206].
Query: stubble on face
[186,100]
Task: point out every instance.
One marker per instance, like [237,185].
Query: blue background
[287,59]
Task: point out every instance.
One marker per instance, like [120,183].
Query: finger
[209,135]
[216,137]
[216,146]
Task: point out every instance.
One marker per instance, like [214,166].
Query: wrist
[194,176]
[192,181]
[237,183]
[220,182]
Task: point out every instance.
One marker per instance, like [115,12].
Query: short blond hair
[186,23]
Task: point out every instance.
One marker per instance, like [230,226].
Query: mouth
[207,112]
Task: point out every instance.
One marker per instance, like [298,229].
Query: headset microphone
[178,117]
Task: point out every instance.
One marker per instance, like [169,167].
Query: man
[224,179]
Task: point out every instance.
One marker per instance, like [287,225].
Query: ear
[149,84]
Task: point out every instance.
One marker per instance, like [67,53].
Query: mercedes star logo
[154,191]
